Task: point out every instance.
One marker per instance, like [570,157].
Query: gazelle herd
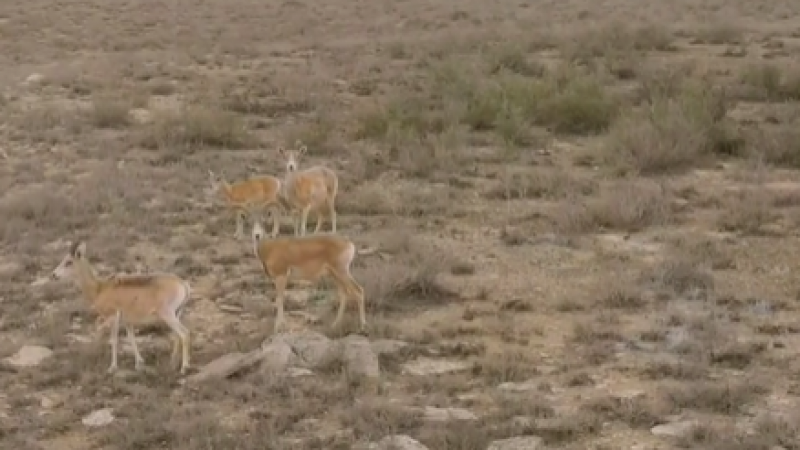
[127,301]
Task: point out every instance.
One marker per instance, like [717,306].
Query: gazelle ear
[79,251]
[303,150]
[211,174]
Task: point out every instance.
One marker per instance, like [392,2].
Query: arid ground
[591,206]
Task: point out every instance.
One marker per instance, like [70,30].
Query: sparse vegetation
[582,217]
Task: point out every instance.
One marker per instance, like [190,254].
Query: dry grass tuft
[196,127]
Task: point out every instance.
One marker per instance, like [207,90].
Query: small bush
[770,82]
[108,112]
[670,134]
[196,126]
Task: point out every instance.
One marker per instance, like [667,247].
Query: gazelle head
[66,268]
[216,181]
[293,157]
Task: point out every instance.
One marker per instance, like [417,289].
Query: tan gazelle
[309,258]
[246,196]
[312,189]
[131,300]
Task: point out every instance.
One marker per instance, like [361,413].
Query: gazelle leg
[174,356]
[280,290]
[114,342]
[183,335]
[132,339]
[304,220]
[320,220]
[240,216]
[341,292]
[275,222]
[332,216]
[358,292]
[296,222]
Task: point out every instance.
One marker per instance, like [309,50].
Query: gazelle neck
[87,280]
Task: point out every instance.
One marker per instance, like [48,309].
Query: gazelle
[310,189]
[244,196]
[309,258]
[130,300]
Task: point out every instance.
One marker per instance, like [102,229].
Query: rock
[49,402]
[140,116]
[10,269]
[518,443]
[99,418]
[294,372]
[525,386]
[29,356]
[278,357]
[34,78]
[227,365]
[445,414]
[360,361]
[397,442]
[41,281]
[314,350]
[676,429]
[428,366]
[387,346]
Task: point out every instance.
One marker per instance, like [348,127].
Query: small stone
[34,78]
[99,418]
[675,430]
[525,386]
[398,442]
[29,356]
[445,414]
[294,372]
[518,443]
[428,366]
[388,346]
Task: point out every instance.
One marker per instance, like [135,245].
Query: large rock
[433,414]
[28,356]
[518,443]
[313,350]
[427,366]
[99,418]
[675,429]
[396,442]
[278,357]
[359,360]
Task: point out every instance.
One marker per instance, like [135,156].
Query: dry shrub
[508,366]
[680,275]
[716,397]
[567,100]
[779,146]
[48,122]
[770,82]
[626,205]
[551,183]
[193,127]
[719,34]
[747,211]
[672,134]
[109,112]
[678,370]
[637,412]
[408,281]
[613,39]
[622,296]
[630,205]
[375,419]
